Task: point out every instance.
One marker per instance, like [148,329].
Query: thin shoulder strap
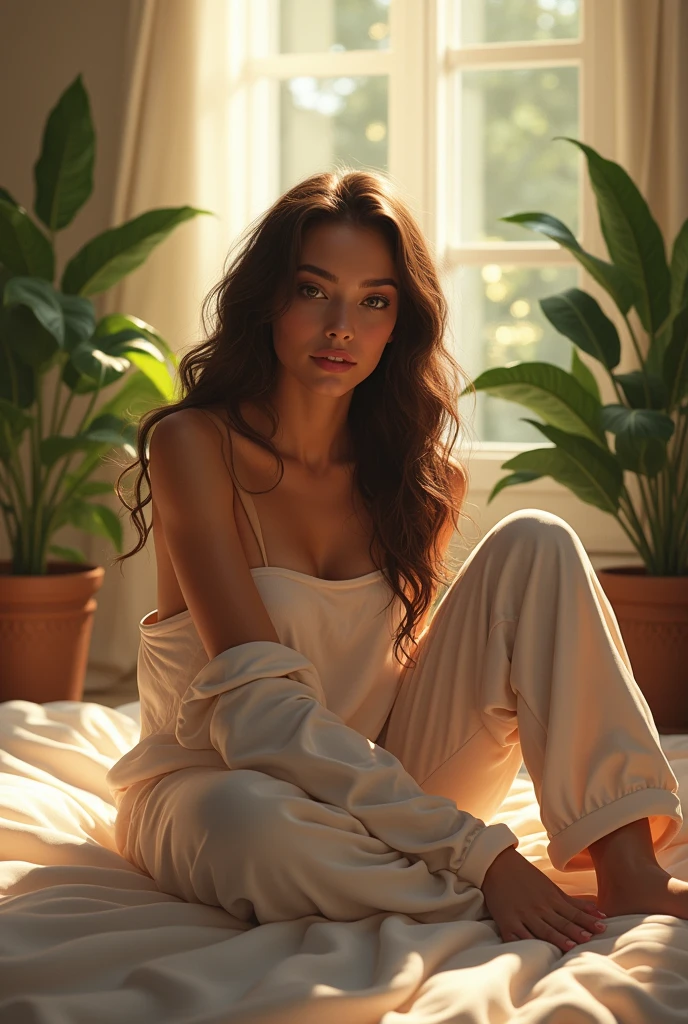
[244,497]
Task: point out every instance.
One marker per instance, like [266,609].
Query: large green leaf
[40,297]
[136,396]
[113,323]
[584,375]
[675,367]
[100,366]
[29,341]
[64,169]
[514,480]
[578,316]
[107,361]
[143,354]
[89,487]
[633,237]
[633,387]
[137,347]
[619,420]
[648,457]
[24,249]
[33,322]
[116,252]
[92,518]
[67,554]
[56,446]
[550,392]
[105,432]
[593,474]
[102,434]
[99,361]
[641,437]
[679,270]
[552,462]
[79,317]
[613,279]
[78,382]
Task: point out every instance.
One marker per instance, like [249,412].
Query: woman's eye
[309,286]
[378,298]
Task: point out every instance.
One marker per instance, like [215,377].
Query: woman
[360,779]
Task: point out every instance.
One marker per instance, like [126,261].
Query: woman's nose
[340,322]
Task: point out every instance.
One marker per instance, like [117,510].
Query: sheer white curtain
[175,151]
[650,93]
[185,68]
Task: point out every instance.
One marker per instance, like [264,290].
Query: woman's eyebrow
[372,283]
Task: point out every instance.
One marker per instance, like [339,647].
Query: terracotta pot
[45,631]
[652,612]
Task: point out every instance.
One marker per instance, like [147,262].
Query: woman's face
[332,308]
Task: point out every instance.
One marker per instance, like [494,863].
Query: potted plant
[647,422]
[47,605]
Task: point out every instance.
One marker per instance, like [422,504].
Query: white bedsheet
[85,938]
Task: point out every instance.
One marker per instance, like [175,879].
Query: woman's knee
[235,807]
[242,820]
[245,816]
[536,528]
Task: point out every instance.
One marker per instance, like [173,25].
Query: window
[458,101]
[332,81]
[512,82]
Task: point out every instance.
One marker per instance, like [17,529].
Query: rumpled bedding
[85,937]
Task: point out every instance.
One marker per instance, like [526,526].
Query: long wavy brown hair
[402,418]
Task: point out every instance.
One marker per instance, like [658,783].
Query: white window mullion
[506,56]
[411,138]
[446,148]
[322,65]
[599,132]
[532,254]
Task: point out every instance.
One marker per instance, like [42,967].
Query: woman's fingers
[537,928]
[542,929]
[587,921]
[519,931]
[565,927]
[569,928]
[557,928]
[585,902]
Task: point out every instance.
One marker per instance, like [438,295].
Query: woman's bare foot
[629,878]
[650,890]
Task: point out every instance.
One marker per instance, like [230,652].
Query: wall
[43,47]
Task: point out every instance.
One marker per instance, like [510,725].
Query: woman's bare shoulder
[194,500]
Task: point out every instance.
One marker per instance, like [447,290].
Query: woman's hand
[526,904]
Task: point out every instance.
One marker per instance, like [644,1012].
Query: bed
[85,937]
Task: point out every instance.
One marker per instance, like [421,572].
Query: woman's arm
[259,703]
[194,501]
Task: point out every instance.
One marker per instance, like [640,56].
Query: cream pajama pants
[522,659]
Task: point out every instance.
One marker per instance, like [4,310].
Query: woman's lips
[327,364]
